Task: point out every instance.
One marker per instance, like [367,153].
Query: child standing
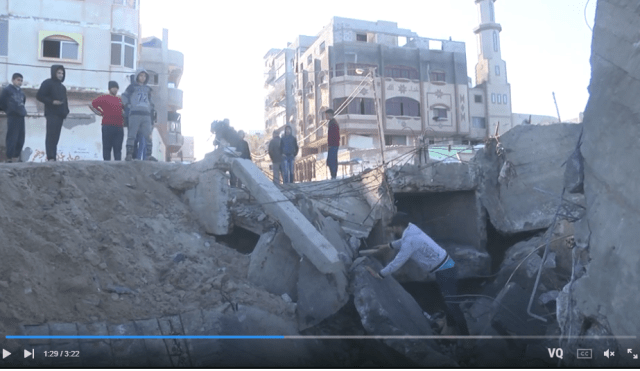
[110,108]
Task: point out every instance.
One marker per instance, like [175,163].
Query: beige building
[420,85]
[96,40]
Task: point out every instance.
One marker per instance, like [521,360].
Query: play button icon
[5,354]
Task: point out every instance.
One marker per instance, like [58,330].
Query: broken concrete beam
[209,201]
[436,177]
[306,239]
[385,308]
[274,264]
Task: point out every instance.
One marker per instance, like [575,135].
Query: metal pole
[556,103]
[379,121]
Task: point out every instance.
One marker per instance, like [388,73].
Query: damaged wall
[607,293]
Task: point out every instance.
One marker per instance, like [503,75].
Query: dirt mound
[89,241]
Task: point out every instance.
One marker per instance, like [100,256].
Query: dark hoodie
[137,98]
[52,89]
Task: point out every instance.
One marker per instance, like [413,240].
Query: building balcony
[174,99]
[176,59]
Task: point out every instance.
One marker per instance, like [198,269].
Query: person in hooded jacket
[56,108]
[12,102]
[416,245]
[137,99]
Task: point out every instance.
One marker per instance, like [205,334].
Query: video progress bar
[303,337]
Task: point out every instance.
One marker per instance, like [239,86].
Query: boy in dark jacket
[276,156]
[289,149]
[137,99]
[56,108]
[12,102]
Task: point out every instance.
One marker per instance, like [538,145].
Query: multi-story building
[96,40]
[420,85]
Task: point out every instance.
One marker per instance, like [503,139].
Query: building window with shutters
[123,51]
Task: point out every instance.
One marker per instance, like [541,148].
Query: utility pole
[378,115]
[556,103]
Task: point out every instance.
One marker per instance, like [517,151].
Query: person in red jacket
[333,140]
[110,108]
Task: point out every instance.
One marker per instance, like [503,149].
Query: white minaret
[491,70]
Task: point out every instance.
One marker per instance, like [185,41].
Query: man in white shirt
[418,246]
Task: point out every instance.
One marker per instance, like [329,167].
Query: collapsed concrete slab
[274,264]
[385,308]
[209,202]
[306,240]
[434,177]
[610,149]
[520,188]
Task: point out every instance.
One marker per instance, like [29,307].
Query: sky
[546,45]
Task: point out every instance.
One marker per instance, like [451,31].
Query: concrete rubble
[152,248]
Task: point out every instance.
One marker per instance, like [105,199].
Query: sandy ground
[94,241]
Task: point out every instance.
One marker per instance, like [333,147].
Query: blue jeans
[332,161]
[287,168]
[141,143]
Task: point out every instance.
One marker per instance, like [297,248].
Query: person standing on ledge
[333,140]
[56,108]
[418,246]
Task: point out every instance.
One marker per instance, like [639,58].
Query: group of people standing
[135,108]
[283,150]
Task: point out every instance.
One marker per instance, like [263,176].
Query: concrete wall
[445,216]
[608,292]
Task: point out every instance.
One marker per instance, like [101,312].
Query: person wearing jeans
[289,149]
[333,140]
[419,247]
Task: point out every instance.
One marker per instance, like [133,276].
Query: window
[4,38]
[395,140]
[60,47]
[361,37]
[477,98]
[492,12]
[401,72]
[402,106]
[309,89]
[499,99]
[130,3]
[478,122]
[437,76]
[504,98]
[493,97]
[322,47]
[497,70]
[123,50]
[495,41]
[358,106]
[440,113]
[153,78]
[353,68]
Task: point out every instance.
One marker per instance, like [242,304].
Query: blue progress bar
[142,337]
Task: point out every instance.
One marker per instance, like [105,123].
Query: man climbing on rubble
[418,246]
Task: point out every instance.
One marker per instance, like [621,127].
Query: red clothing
[333,136]
[111,109]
